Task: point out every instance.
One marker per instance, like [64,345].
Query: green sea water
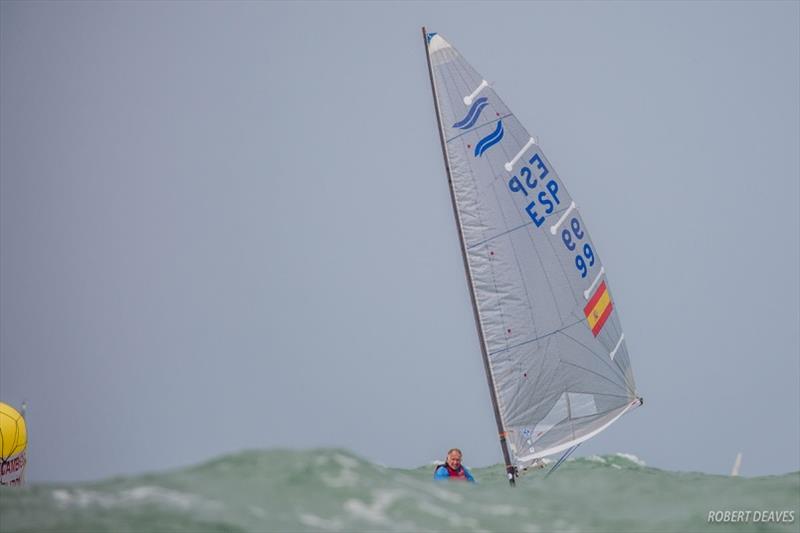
[334,490]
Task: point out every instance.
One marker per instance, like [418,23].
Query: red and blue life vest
[456,474]
[461,474]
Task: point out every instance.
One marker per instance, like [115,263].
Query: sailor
[453,469]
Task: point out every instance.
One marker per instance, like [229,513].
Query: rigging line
[563,458]
[536,338]
[603,358]
[596,374]
[549,400]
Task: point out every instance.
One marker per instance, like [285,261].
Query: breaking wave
[334,490]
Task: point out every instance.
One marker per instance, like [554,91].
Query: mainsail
[555,355]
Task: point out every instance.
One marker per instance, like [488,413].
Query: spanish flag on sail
[598,309]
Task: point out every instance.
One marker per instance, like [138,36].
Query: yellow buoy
[13,440]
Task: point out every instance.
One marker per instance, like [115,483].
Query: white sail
[555,352]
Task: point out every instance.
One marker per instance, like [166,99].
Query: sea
[335,490]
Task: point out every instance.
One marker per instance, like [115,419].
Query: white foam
[632,458]
[345,478]
[257,511]
[434,490]
[596,459]
[454,519]
[345,461]
[446,495]
[375,512]
[134,496]
[334,524]
[499,510]
[562,525]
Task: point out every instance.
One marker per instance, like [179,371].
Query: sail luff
[489,377]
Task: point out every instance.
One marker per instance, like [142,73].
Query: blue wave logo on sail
[473,114]
[490,140]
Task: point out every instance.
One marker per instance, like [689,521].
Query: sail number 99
[527,182]
[571,244]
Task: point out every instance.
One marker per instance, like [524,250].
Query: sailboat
[553,348]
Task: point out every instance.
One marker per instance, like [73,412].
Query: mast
[510,471]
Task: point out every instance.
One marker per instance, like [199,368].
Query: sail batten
[548,324]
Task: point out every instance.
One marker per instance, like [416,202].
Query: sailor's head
[454,458]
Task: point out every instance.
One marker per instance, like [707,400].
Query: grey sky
[227,226]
